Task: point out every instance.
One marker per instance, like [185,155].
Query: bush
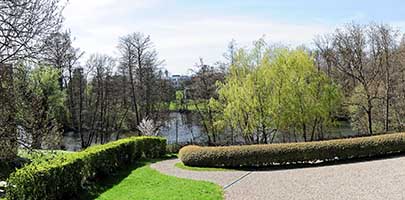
[64,176]
[9,166]
[292,153]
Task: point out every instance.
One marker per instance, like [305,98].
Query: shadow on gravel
[323,163]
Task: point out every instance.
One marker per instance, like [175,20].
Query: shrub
[292,153]
[64,176]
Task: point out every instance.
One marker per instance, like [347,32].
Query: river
[183,128]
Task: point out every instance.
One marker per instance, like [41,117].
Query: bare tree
[203,87]
[59,53]
[128,61]
[24,24]
[363,59]
[97,107]
[383,40]
[140,60]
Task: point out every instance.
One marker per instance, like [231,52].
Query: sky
[183,31]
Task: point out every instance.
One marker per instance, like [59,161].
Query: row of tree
[107,95]
[46,91]
[265,91]
[368,62]
[355,74]
[24,25]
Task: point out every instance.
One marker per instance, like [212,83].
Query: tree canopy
[269,91]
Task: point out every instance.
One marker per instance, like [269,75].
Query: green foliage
[292,153]
[358,113]
[40,104]
[147,183]
[63,176]
[189,105]
[268,90]
[8,127]
[40,155]
[180,101]
[7,167]
[44,82]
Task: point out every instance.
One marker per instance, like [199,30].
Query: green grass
[182,166]
[144,182]
[190,106]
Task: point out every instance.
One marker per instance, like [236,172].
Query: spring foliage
[276,90]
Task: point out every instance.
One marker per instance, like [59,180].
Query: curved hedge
[292,153]
[64,176]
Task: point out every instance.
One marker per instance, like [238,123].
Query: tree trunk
[8,138]
[134,101]
[387,101]
[370,121]
[81,110]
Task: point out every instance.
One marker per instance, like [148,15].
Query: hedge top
[292,153]
[64,176]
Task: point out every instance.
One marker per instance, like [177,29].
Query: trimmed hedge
[292,153]
[64,176]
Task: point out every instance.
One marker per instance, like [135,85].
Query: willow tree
[245,95]
[306,98]
[277,91]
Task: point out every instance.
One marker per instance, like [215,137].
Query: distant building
[177,80]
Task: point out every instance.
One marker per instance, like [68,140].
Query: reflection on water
[181,128]
[71,141]
[184,128]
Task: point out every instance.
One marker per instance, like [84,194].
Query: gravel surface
[222,178]
[378,179]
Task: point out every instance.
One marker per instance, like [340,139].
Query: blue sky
[185,30]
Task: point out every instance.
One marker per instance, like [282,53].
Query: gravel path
[222,178]
[378,179]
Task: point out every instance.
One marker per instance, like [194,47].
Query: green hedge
[64,176]
[292,153]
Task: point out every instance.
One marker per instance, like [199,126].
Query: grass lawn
[190,106]
[144,182]
[182,166]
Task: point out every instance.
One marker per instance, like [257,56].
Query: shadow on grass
[101,185]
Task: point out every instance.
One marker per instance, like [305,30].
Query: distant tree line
[105,95]
[263,92]
[46,91]
[368,62]
[354,74]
